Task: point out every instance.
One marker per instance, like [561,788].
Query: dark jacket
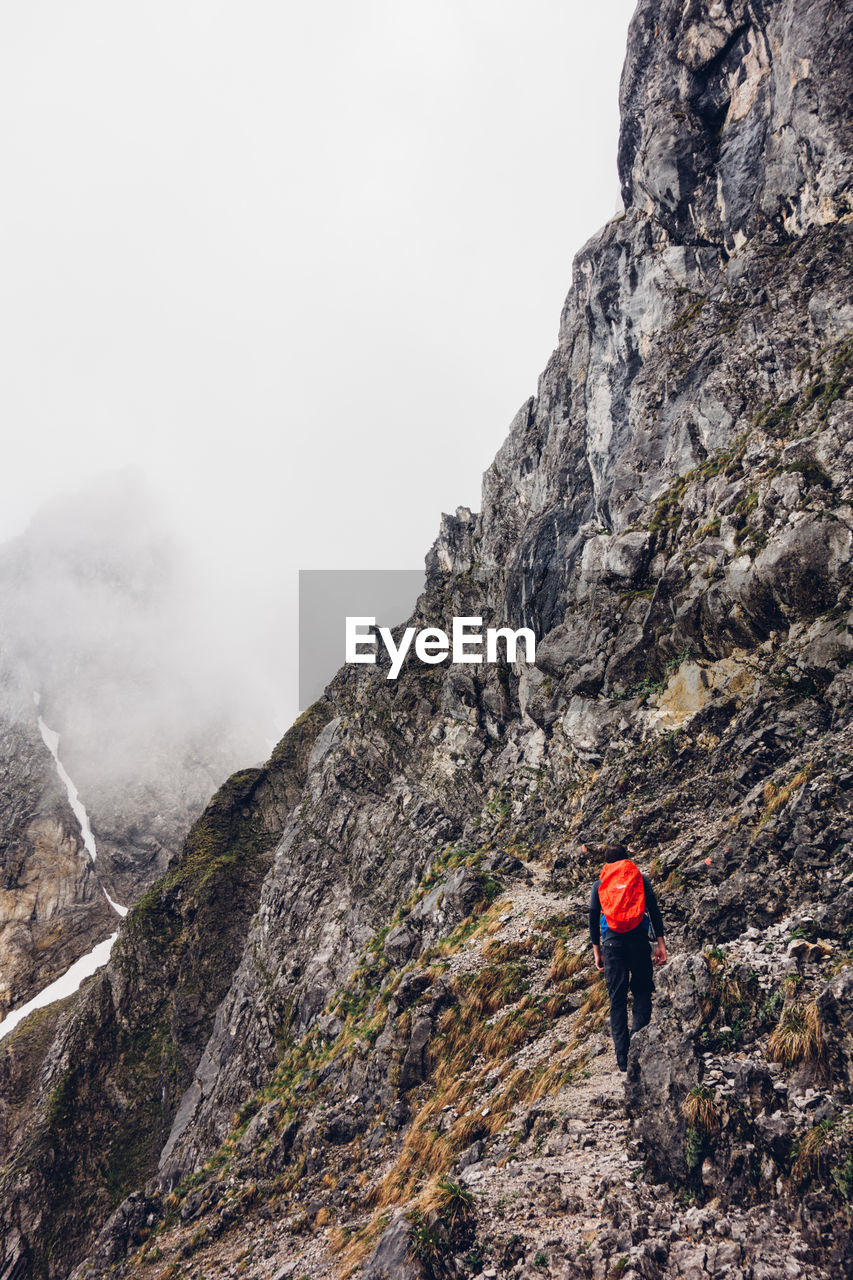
[651,906]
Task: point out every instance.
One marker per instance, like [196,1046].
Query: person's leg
[616,977]
[642,984]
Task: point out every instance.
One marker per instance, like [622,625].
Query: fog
[114,632]
[113,627]
[296,265]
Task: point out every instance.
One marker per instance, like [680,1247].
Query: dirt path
[559,1191]
[574,1199]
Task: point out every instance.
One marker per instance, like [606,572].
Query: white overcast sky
[300,263]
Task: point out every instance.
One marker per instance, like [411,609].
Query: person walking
[622,906]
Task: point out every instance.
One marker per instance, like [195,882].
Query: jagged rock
[411,988]
[391,1259]
[52,907]
[400,944]
[398,1114]
[451,900]
[502,860]
[413,1067]
[781,155]
[617,560]
[279,1153]
[259,1127]
[329,1026]
[798,574]
[123,1231]
[663,1065]
[471,1155]
[836,1019]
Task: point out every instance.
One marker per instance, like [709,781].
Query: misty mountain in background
[137,663]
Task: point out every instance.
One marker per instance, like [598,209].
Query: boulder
[400,945]
[392,1259]
[835,1005]
[414,1065]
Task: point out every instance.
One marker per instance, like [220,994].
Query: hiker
[621,909]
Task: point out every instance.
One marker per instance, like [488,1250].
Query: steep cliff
[52,908]
[408,1017]
[99,1099]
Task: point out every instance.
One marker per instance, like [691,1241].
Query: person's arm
[595,926]
[656,919]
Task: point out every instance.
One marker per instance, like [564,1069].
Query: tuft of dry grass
[558,1072]
[811,1150]
[596,996]
[500,1039]
[775,797]
[249,1194]
[450,1202]
[338,1238]
[702,1109]
[726,989]
[566,964]
[532,944]
[293,1175]
[555,1006]
[494,987]
[798,1037]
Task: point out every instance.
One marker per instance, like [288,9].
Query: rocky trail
[563,1189]
[573,1199]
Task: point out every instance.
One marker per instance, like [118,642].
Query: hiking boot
[622,1064]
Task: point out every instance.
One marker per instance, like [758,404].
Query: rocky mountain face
[52,909]
[355,1028]
[101,623]
[88,1097]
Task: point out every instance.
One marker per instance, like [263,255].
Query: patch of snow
[51,740]
[117,908]
[64,986]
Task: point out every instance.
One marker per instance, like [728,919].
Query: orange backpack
[621,894]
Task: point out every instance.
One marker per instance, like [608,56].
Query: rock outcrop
[52,907]
[125,1049]
[408,1010]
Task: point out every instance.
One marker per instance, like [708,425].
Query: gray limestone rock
[52,905]
[391,1259]
[400,944]
[836,1017]
[413,1069]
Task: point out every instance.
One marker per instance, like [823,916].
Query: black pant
[628,962]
